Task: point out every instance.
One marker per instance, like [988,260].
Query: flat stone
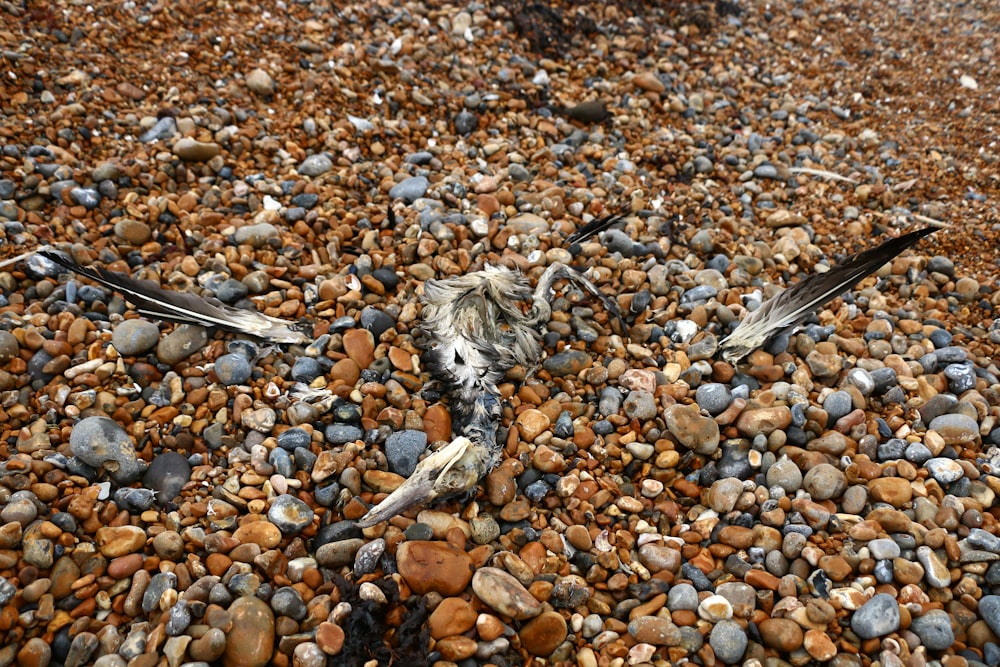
[191,150]
[115,541]
[877,617]
[692,429]
[504,594]
[434,566]
[781,633]
[134,337]
[102,443]
[454,616]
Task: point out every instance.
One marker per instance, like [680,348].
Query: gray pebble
[466,122]
[824,481]
[567,362]
[786,474]
[368,556]
[290,514]
[639,404]
[410,189]
[883,549]
[164,128]
[133,337]
[989,611]
[315,165]
[341,434]
[713,397]
[682,597]
[158,585]
[403,450]
[934,630]
[287,601]
[178,619]
[877,617]
[945,471]
[101,442]
[376,321]
[181,343]
[610,401]
[729,641]
[256,235]
[837,405]
[167,475]
[233,369]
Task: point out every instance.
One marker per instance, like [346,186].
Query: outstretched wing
[790,307]
[155,302]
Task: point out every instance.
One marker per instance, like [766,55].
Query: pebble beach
[178,496]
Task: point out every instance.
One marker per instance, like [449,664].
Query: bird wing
[155,302]
[790,307]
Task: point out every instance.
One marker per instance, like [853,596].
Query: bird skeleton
[477,331]
[480,325]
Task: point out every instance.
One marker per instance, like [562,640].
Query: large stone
[251,641]
[434,566]
[101,442]
[502,593]
[877,617]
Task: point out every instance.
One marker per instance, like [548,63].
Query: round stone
[233,369]
[102,443]
[543,634]
[134,337]
[934,630]
[729,641]
[877,617]
[290,514]
[167,475]
[503,593]
[251,640]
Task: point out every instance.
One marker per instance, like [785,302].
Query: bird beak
[429,480]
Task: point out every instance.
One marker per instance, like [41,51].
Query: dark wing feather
[598,225]
[790,307]
[158,303]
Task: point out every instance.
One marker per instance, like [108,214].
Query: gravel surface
[167,499]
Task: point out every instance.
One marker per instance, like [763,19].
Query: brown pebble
[330,638]
[359,344]
[124,566]
[781,634]
[501,592]
[437,423]
[453,616]
[251,641]
[488,627]
[543,634]
[262,533]
[120,540]
[434,566]
[819,646]
[455,648]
